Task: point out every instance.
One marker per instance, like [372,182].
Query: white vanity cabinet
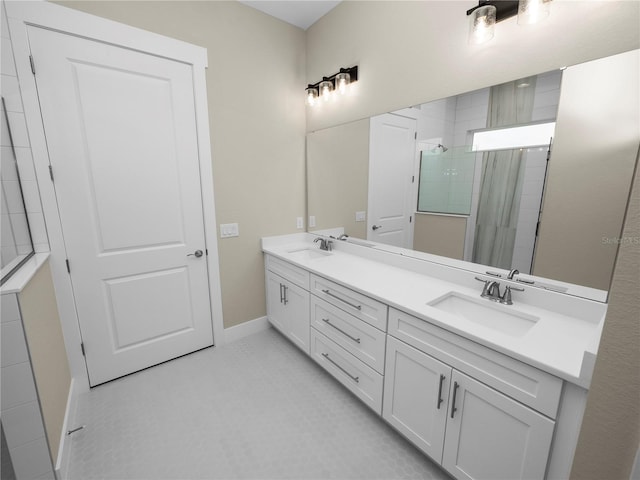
[288,300]
[471,428]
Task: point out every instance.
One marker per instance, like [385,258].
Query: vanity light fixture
[487,13]
[338,82]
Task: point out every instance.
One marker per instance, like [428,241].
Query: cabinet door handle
[281,296]
[328,322]
[359,307]
[453,403]
[285,288]
[355,379]
[442,377]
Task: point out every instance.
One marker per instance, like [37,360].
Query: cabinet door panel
[274,301]
[492,436]
[411,396]
[296,307]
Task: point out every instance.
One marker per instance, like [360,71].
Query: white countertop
[559,343]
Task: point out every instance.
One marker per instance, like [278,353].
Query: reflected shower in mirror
[489,184]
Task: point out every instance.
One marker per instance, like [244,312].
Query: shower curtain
[502,176]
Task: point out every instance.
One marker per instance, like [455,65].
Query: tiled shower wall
[10,90]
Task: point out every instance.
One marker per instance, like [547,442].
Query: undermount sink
[481,311]
[309,253]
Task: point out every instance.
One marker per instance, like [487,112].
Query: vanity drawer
[362,380]
[529,385]
[294,274]
[357,337]
[367,309]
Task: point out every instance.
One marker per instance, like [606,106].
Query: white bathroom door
[392,149]
[121,131]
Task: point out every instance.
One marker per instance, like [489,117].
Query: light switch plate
[229,230]
[299,222]
[361,216]
[312,221]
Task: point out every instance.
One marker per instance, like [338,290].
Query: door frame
[41,13]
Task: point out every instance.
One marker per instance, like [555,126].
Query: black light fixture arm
[504,8]
[352,71]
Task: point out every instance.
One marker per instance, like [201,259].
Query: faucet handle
[506,297]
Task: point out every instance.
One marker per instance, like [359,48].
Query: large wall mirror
[533,174]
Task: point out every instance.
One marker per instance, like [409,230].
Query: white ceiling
[301,13]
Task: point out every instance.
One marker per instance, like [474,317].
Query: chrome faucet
[325,243]
[344,236]
[491,291]
[513,273]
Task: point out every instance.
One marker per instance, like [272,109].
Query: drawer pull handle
[328,322]
[359,307]
[453,403]
[355,379]
[442,377]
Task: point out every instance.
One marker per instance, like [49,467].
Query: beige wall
[591,169]
[338,162]
[410,52]
[440,235]
[47,350]
[255,84]
[611,429]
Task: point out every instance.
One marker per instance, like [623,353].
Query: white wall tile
[32,459]
[11,93]
[4,26]
[25,163]
[7,67]
[9,310]
[38,229]
[22,424]
[13,348]
[8,170]
[31,196]
[20,232]
[17,385]
[18,129]
[13,196]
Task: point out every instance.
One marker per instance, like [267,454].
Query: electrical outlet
[229,230]
[299,222]
[361,216]
[312,221]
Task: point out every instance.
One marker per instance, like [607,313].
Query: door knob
[376,227]
[197,253]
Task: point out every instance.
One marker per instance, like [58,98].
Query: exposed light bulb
[532,11]
[312,96]
[342,82]
[325,90]
[482,24]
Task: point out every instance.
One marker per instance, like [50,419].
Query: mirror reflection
[17,246]
[429,178]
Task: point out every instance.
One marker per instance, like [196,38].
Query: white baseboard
[237,332]
[64,450]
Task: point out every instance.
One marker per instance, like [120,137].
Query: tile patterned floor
[254,409]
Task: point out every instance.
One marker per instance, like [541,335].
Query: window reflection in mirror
[17,246]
